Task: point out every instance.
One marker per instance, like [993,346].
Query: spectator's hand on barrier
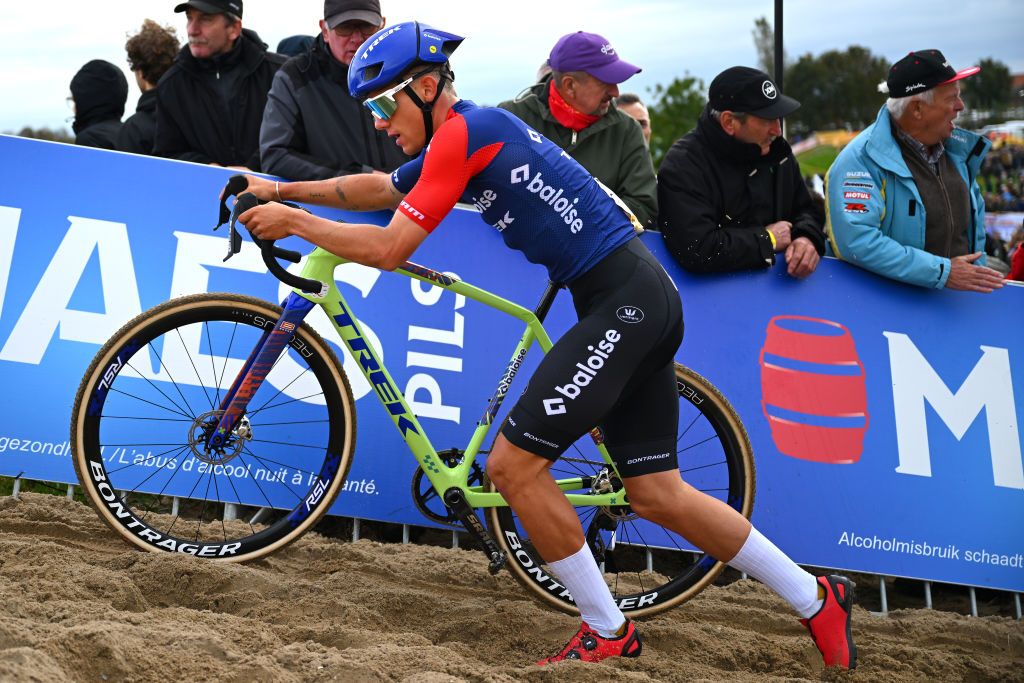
[801,258]
[271,221]
[781,231]
[965,275]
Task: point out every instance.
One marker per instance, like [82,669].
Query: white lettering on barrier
[9,220]
[434,407]
[989,385]
[47,309]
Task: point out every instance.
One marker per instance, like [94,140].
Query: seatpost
[546,299]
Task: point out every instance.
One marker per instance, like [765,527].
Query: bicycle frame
[320,265]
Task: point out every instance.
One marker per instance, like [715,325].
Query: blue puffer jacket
[875,216]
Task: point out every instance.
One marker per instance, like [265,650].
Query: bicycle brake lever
[242,204]
[235,185]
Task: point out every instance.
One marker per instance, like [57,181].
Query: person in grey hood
[99,91]
[312,128]
[210,103]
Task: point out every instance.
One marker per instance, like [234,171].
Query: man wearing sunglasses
[312,127]
[545,205]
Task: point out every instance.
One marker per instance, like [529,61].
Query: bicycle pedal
[497,562]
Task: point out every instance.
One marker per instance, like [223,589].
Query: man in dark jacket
[312,128]
[730,191]
[210,103]
[573,107]
[151,52]
[99,91]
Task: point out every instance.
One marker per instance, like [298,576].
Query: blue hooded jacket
[875,217]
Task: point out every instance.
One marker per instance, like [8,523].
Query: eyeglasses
[347,29]
[383,106]
[70,101]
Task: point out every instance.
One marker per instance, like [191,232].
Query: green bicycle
[223,399]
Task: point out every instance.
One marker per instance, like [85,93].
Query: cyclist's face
[345,39]
[588,94]
[405,125]
[210,34]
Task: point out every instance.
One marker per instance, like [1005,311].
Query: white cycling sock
[581,575]
[762,559]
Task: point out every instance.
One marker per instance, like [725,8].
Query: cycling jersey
[542,201]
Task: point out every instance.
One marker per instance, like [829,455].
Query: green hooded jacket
[612,149]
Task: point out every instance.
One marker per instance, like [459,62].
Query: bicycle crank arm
[456,502]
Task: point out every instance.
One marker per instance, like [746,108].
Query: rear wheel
[647,567]
[149,400]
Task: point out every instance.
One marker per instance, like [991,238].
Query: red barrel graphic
[813,389]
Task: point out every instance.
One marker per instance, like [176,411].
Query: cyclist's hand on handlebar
[271,221]
[261,187]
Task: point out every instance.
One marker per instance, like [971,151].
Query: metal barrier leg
[258,516]
[974,602]
[405,534]
[1016,604]
[650,561]
[885,598]
[175,506]
[71,491]
[355,528]
[455,539]
[928,594]
[230,512]
[16,489]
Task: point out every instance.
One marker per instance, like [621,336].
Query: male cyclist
[545,205]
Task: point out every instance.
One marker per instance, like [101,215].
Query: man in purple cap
[903,199]
[573,107]
[312,127]
[209,104]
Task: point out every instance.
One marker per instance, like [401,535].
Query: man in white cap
[312,128]
[574,108]
[903,199]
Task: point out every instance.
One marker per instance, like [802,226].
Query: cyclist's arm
[360,192]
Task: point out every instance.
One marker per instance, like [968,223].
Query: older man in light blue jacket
[902,197]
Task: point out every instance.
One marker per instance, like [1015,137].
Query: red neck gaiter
[565,114]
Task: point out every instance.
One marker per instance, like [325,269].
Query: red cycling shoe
[589,646]
[830,625]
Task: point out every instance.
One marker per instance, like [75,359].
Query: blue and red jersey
[542,202]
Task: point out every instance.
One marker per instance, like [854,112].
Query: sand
[80,605]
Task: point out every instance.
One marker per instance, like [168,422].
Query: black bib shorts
[613,369]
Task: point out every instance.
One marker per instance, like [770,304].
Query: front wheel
[150,399]
[648,568]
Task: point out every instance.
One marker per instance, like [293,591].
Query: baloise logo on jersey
[551,196]
[587,372]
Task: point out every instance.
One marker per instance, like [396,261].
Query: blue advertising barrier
[884,418]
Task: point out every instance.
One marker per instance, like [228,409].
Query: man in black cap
[312,128]
[210,102]
[730,191]
[903,200]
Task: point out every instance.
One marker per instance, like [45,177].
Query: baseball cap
[742,89]
[213,6]
[339,11]
[923,70]
[593,54]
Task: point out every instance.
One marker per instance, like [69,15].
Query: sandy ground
[80,605]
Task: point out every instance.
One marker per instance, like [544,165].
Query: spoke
[702,467]
[180,411]
[281,389]
[194,368]
[255,481]
[688,427]
[175,447]
[288,443]
[691,446]
[171,377]
[284,403]
[150,419]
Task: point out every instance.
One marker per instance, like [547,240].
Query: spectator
[903,200]
[151,52]
[293,46]
[730,191]
[210,103]
[573,108]
[99,91]
[312,128]
[1015,248]
[634,106]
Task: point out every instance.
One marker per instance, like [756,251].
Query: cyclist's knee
[508,464]
[656,496]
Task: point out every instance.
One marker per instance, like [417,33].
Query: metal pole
[405,534]
[255,518]
[928,594]
[455,538]
[71,491]
[230,512]
[355,529]
[650,564]
[1016,604]
[885,598]
[974,602]
[176,506]
[17,487]
[777,32]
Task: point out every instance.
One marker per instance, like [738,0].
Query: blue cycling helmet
[394,50]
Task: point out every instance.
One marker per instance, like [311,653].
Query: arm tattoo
[341,195]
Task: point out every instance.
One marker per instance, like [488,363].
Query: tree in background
[51,134]
[674,110]
[836,89]
[989,90]
[764,44]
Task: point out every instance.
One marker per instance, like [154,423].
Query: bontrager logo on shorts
[587,372]
[629,314]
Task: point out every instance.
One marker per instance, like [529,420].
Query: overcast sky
[41,47]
